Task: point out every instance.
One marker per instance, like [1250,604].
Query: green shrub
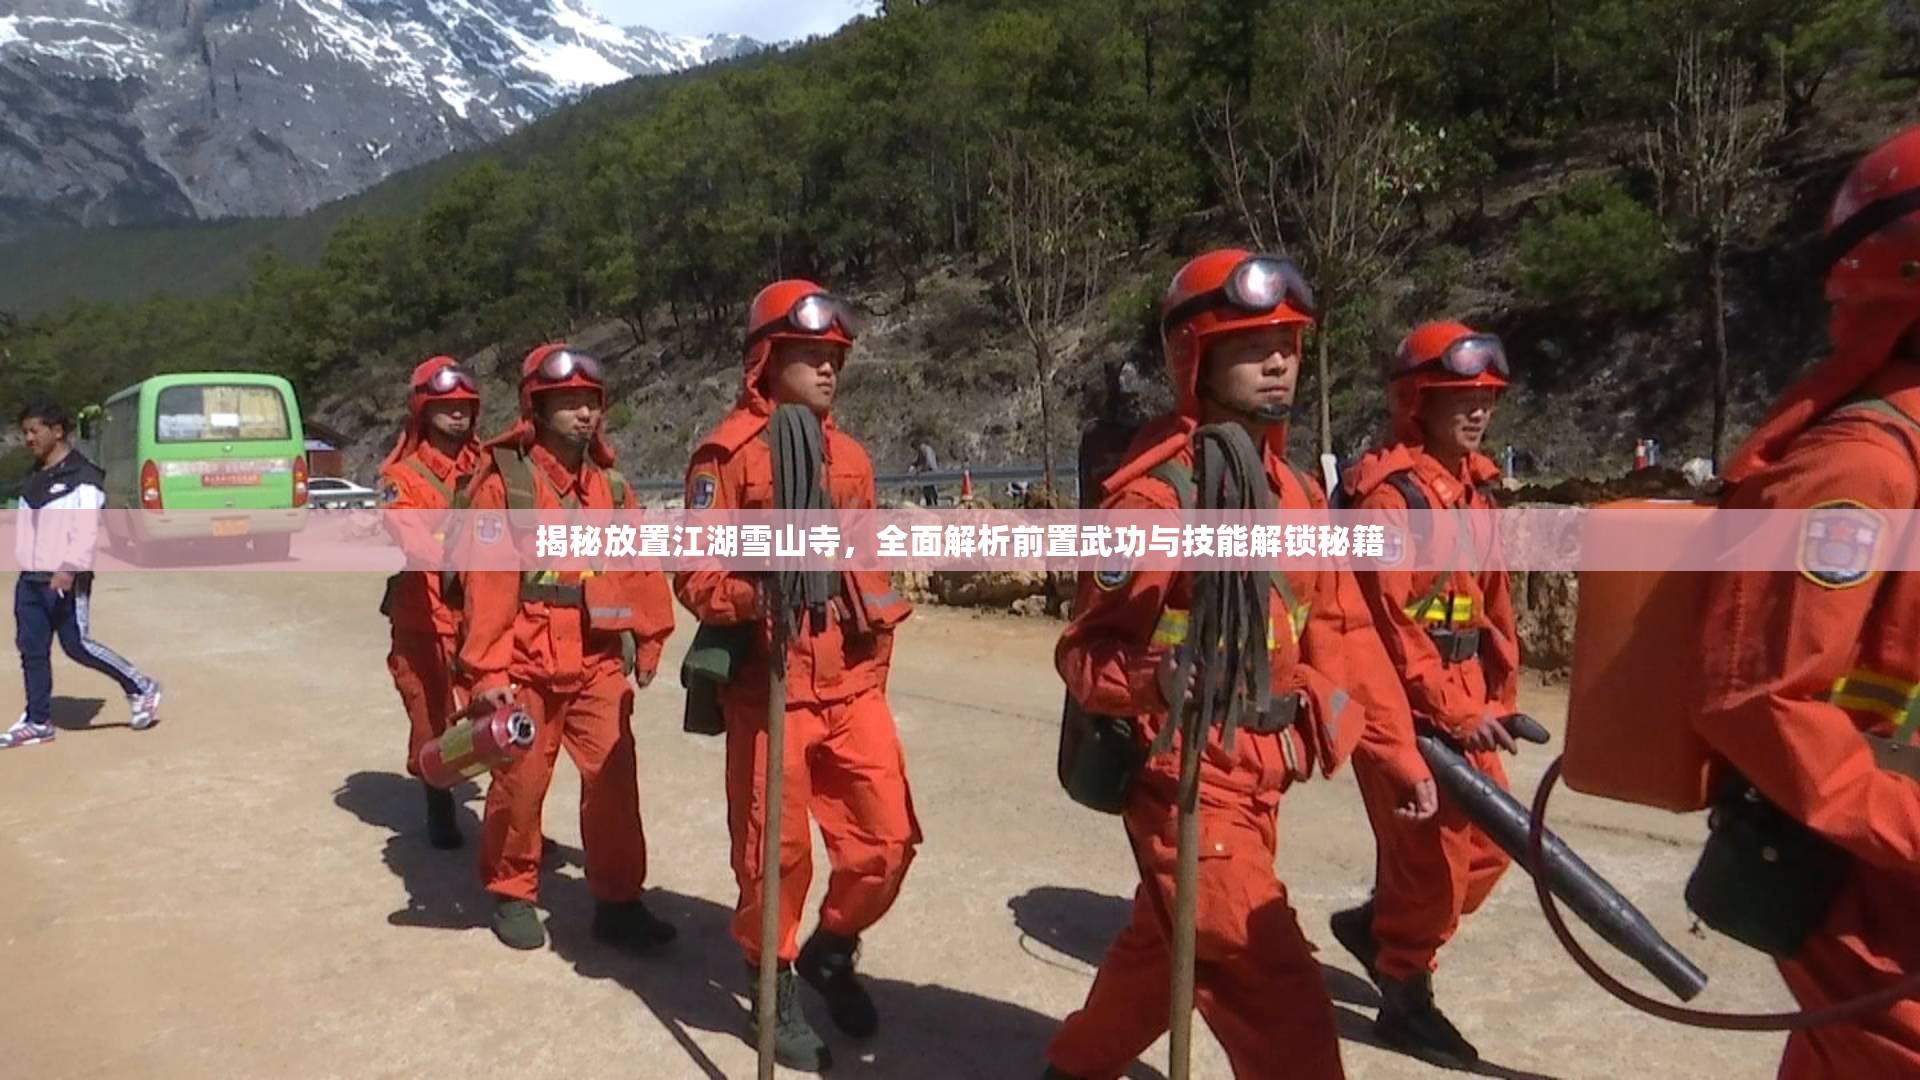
[15,463]
[1597,248]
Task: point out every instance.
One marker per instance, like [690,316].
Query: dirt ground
[244,890]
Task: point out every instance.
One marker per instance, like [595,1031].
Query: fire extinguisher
[476,744]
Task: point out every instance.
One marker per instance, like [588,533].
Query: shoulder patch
[1393,545]
[1109,578]
[1840,542]
[389,493]
[488,527]
[701,489]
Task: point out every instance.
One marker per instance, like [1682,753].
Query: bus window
[219,413]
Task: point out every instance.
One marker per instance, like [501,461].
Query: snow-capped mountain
[118,111]
[685,52]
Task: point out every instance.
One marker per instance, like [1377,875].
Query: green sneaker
[517,924]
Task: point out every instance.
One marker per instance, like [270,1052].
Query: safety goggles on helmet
[1466,357]
[564,364]
[1260,284]
[448,379]
[814,313]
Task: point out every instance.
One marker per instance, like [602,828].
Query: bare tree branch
[1051,232]
[1329,177]
[1706,156]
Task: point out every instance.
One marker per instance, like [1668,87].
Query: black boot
[1053,1073]
[795,1043]
[1409,1021]
[442,832]
[630,926]
[826,962]
[1353,929]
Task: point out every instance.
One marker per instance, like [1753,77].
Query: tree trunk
[1043,362]
[1553,36]
[1326,393]
[1717,318]
[1147,49]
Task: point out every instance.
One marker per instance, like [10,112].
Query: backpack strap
[1881,407]
[1179,477]
[420,468]
[523,483]
[516,472]
[1417,504]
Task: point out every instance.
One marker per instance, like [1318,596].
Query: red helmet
[1440,355]
[799,310]
[441,378]
[558,367]
[1218,293]
[790,310]
[438,378]
[1872,246]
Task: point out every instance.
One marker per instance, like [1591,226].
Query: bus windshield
[211,412]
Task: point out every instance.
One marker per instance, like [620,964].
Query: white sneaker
[145,707]
[25,732]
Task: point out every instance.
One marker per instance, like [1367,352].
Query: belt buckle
[1455,646]
[1279,715]
[1894,757]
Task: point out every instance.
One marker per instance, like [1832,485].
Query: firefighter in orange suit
[1451,635]
[1232,324]
[843,757]
[430,462]
[539,637]
[1807,669]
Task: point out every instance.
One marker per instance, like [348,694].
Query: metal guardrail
[945,478]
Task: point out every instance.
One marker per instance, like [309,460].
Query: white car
[334,493]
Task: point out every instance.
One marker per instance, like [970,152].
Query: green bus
[209,455]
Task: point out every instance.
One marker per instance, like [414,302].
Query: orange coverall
[1779,642]
[1429,873]
[572,683]
[1257,984]
[843,759]
[425,630]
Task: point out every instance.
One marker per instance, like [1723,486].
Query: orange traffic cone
[966,483]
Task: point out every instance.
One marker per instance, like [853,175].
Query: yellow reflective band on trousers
[1896,699]
[1435,610]
[552,577]
[1171,631]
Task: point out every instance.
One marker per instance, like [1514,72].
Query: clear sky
[763,20]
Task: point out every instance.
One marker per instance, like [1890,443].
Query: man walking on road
[842,762]
[54,537]
[432,460]
[564,644]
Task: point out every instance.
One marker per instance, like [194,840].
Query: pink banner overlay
[1839,542]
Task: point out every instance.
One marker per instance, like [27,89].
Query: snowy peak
[246,107]
[686,52]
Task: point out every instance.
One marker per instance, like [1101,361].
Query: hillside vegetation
[1005,187]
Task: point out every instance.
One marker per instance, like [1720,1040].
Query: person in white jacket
[55,531]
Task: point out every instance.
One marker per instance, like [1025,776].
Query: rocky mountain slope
[140,111]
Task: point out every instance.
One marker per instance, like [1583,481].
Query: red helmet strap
[1870,219]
